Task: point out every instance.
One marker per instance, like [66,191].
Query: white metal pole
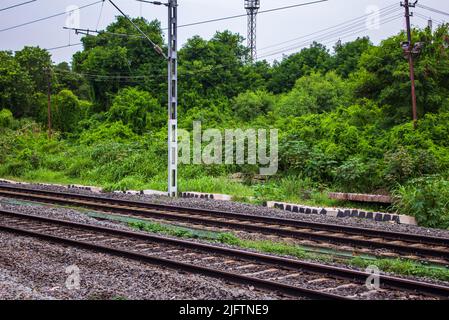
[172,99]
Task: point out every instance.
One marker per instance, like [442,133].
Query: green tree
[113,62]
[215,68]
[250,105]
[347,55]
[135,108]
[67,111]
[315,94]
[16,86]
[384,75]
[36,62]
[316,58]
[67,79]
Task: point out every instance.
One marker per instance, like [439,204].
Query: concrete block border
[343,213]
[200,195]
[5,181]
[87,188]
[144,192]
[359,197]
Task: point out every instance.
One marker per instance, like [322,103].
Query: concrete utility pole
[173,98]
[409,51]
[49,101]
[252,7]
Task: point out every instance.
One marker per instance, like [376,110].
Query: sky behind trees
[273,28]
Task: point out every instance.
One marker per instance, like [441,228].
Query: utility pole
[49,101]
[173,98]
[252,8]
[409,52]
[172,59]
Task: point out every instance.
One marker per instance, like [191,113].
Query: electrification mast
[172,98]
[252,8]
[172,59]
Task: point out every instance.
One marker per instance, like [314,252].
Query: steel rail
[274,225]
[227,276]
[344,273]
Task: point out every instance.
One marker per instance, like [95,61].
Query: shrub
[78,167]
[132,107]
[67,111]
[249,105]
[403,165]
[354,175]
[111,132]
[6,118]
[427,199]
[316,93]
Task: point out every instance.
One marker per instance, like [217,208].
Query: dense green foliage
[428,198]
[344,116]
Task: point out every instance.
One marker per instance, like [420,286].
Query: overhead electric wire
[64,46]
[89,31]
[394,18]
[99,17]
[212,20]
[245,14]
[336,35]
[432,9]
[427,18]
[49,17]
[325,42]
[383,11]
[337,31]
[155,46]
[17,5]
[101,77]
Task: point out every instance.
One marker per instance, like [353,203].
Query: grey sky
[273,28]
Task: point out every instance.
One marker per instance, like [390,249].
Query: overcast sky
[273,28]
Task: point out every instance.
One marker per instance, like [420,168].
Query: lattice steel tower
[252,7]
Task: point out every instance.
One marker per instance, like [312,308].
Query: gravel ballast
[34,269]
[77,216]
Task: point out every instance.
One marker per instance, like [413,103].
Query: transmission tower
[252,7]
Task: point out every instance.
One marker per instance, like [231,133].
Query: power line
[385,10]
[245,15]
[65,46]
[346,35]
[194,23]
[50,17]
[323,40]
[338,31]
[427,18]
[17,5]
[101,12]
[154,45]
[337,35]
[432,9]
[88,32]
[106,78]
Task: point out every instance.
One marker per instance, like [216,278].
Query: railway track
[289,277]
[401,243]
